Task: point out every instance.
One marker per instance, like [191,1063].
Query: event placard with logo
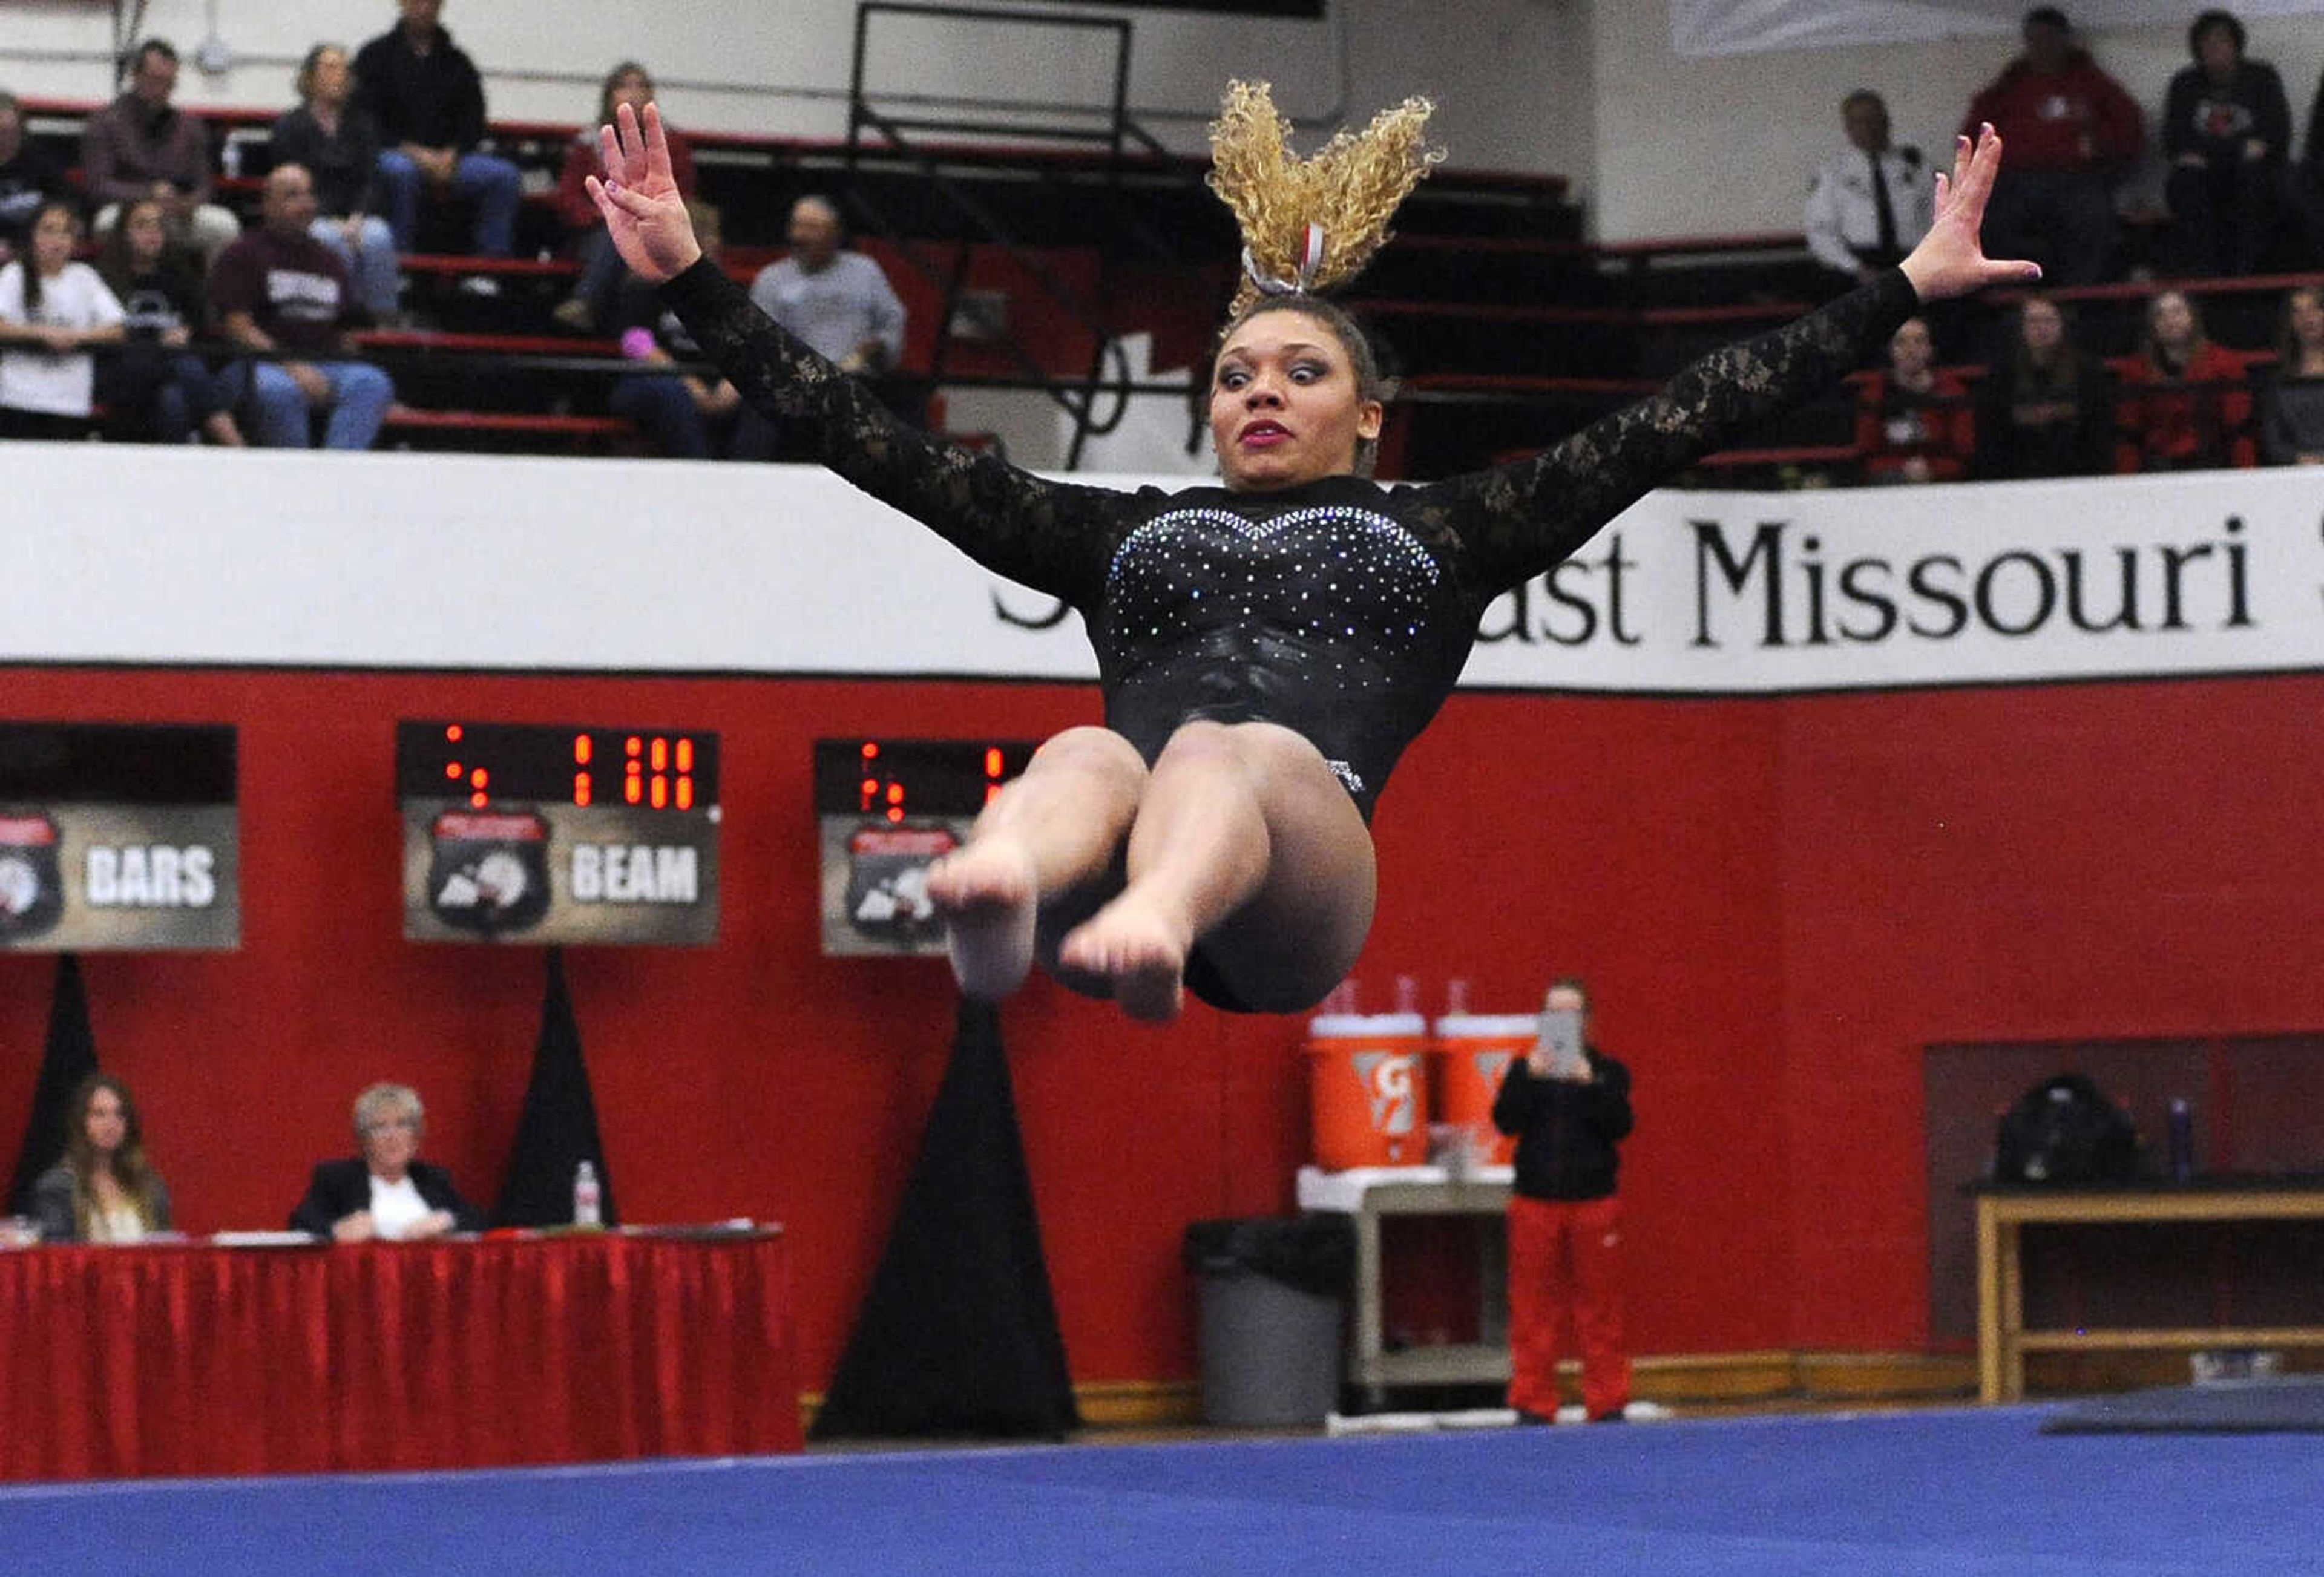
[118,837]
[540,832]
[885,809]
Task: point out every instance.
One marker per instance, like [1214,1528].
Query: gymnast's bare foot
[1137,946]
[988,894]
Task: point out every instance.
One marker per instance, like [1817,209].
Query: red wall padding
[1778,903]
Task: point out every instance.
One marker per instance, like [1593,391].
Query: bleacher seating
[1504,327]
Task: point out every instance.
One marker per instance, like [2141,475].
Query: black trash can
[1273,1293]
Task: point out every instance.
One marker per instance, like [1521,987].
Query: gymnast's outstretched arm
[1051,536]
[1520,520]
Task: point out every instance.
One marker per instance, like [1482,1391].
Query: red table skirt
[193,1359]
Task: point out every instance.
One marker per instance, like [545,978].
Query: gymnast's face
[1285,405]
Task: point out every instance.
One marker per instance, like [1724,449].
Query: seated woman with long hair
[105,1190]
[53,308]
[155,385]
[1914,422]
[2047,407]
[2185,404]
[2293,430]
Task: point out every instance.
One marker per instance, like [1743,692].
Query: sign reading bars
[118,836]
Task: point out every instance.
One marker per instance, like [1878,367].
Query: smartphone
[1560,1032]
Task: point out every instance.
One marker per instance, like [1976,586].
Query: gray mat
[2244,1407]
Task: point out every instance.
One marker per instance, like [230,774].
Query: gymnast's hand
[1950,260]
[644,213]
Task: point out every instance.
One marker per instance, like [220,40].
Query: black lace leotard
[1342,609]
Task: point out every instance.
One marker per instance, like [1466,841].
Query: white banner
[1735,27]
[180,557]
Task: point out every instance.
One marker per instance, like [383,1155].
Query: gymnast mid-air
[1268,646]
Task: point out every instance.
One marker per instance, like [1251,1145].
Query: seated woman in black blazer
[384,1192]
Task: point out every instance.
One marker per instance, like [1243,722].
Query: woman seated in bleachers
[590,308]
[2185,405]
[2293,432]
[1914,423]
[154,386]
[51,309]
[2047,407]
[105,1190]
[335,138]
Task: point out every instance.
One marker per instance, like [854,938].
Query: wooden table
[2002,1339]
[1365,1195]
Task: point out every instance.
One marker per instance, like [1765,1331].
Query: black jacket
[2202,116]
[345,167]
[1566,1132]
[341,1188]
[435,99]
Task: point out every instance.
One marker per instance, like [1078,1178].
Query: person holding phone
[1568,1105]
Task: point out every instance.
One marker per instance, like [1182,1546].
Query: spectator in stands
[2047,407]
[385,1191]
[338,140]
[280,290]
[2306,180]
[2185,405]
[683,416]
[428,102]
[2226,130]
[2071,131]
[105,1190]
[142,145]
[29,177]
[154,385]
[2293,432]
[835,299]
[590,307]
[51,311]
[1914,422]
[1871,205]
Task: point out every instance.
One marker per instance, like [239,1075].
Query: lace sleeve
[1052,537]
[1518,521]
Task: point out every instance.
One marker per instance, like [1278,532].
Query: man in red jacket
[2070,130]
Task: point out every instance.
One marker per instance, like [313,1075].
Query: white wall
[1507,70]
[1718,146]
[1657,144]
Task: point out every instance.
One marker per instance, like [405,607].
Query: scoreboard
[537,832]
[885,809]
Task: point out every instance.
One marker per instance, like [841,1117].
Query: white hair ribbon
[1268,285]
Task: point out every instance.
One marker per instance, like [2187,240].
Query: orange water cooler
[1471,1051]
[1369,1083]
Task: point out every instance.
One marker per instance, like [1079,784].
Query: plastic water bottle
[587,1210]
[2183,1140]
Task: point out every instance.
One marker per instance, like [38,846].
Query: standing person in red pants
[1568,1105]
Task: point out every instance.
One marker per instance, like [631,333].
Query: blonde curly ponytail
[1348,189]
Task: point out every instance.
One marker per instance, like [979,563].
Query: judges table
[1368,1194]
[2003,1210]
[191,1358]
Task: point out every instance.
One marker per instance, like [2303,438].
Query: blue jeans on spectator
[371,264]
[664,409]
[360,393]
[494,184]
